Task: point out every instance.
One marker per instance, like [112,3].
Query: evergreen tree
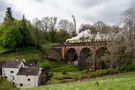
[8,14]
[25,32]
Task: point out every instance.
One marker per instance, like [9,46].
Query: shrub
[112,71]
[44,65]
[104,72]
[64,72]
[99,73]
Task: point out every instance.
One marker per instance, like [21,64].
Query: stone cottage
[28,77]
[10,70]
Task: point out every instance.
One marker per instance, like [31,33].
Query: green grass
[26,53]
[5,85]
[64,68]
[58,77]
[113,82]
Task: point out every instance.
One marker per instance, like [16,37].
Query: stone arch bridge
[81,53]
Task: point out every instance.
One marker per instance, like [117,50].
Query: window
[13,78]
[21,84]
[11,71]
[28,79]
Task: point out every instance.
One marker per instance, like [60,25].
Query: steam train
[85,41]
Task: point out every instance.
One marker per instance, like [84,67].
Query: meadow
[125,81]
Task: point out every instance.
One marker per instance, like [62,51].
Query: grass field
[28,54]
[113,82]
[24,53]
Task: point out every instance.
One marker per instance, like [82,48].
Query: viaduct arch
[80,53]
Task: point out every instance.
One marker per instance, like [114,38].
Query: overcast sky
[85,11]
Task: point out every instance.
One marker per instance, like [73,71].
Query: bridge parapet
[88,41]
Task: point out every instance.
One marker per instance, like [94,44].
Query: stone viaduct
[78,53]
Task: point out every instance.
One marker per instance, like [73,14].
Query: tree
[52,29]
[37,31]
[100,26]
[45,26]
[10,34]
[62,36]
[15,33]
[84,27]
[27,39]
[66,25]
[128,19]
[8,15]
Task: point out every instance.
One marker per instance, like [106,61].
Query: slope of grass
[114,82]
[25,53]
[65,68]
[60,77]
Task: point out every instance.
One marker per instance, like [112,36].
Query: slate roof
[11,64]
[28,71]
[30,63]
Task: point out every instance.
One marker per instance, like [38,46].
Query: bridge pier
[63,52]
[93,47]
[93,62]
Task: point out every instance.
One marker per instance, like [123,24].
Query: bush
[99,73]
[112,71]
[104,72]
[44,65]
[64,72]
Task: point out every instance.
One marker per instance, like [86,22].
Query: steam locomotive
[85,41]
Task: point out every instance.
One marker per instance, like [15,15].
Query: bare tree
[84,27]
[128,18]
[52,29]
[66,25]
[100,26]
[37,31]
[45,26]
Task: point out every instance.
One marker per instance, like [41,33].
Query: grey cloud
[39,1]
[3,6]
[110,13]
[85,10]
[90,3]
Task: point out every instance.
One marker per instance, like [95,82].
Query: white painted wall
[6,72]
[23,79]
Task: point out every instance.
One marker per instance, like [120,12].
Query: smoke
[98,36]
[84,34]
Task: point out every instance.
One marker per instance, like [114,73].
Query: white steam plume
[99,36]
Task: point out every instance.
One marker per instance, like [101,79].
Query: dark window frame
[28,79]
[11,71]
[21,85]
